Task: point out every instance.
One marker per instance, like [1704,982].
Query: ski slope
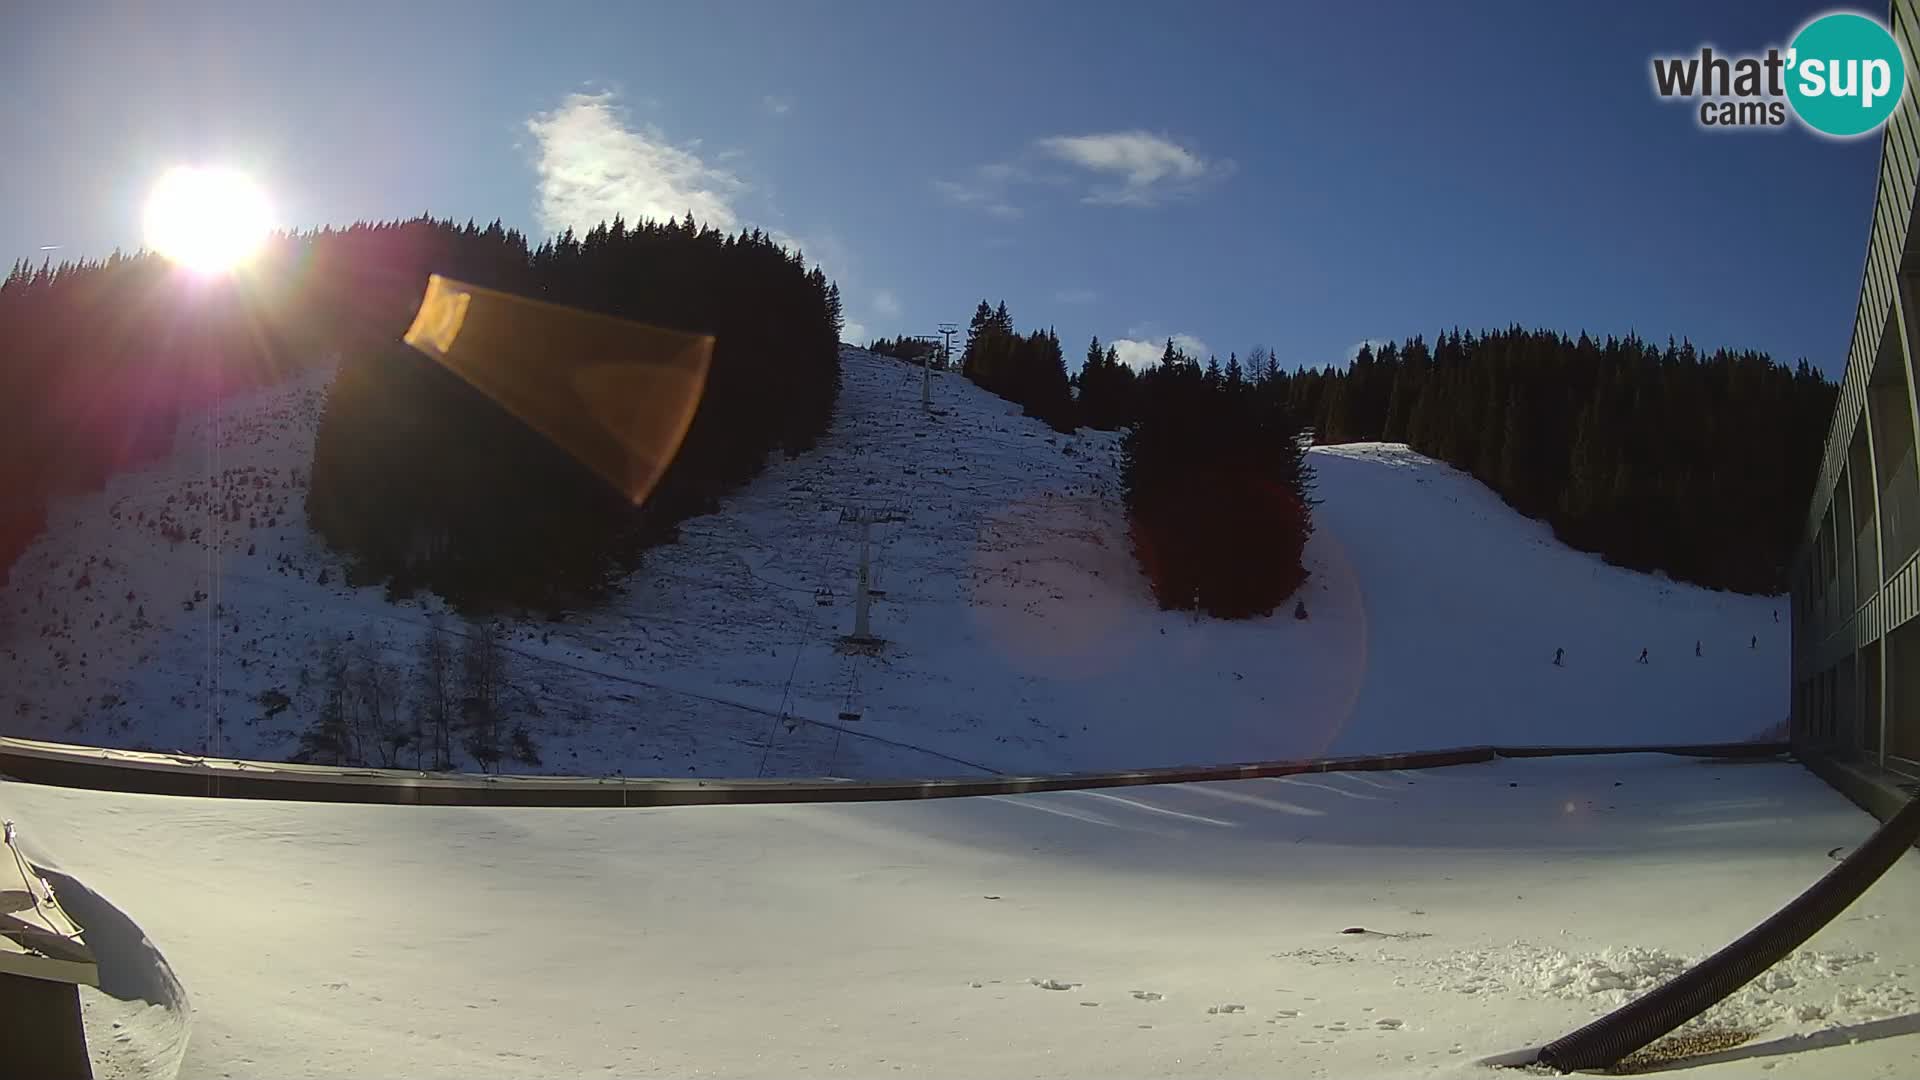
[1019,634]
[1179,931]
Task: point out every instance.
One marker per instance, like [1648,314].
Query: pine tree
[977,329]
[1102,390]
[1519,454]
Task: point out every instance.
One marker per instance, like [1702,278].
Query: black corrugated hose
[1637,1023]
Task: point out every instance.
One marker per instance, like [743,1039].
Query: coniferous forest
[1217,489]
[418,477]
[911,349]
[1698,465]
[1213,469]
[1026,369]
[427,483]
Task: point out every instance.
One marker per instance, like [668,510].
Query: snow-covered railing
[64,765]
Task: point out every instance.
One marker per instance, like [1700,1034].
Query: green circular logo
[1845,74]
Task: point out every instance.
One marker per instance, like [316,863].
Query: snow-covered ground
[1021,636]
[1183,930]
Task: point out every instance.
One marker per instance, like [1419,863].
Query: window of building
[1844,731]
[1865,548]
[1867,736]
[1903,692]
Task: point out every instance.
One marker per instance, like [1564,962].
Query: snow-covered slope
[1020,635]
[1179,931]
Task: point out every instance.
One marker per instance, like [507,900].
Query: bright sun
[209,220]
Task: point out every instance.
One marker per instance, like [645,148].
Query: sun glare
[209,220]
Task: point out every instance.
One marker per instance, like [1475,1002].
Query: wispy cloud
[886,305]
[593,164]
[777,104]
[1075,296]
[1139,353]
[1137,168]
[985,191]
[1122,168]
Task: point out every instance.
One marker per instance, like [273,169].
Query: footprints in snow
[1062,984]
[1327,1030]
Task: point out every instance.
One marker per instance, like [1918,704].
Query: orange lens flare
[616,395]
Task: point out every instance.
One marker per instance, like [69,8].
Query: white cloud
[886,305]
[1129,168]
[1075,296]
[1353,351]
[1144,168]
[593,165]
[777,104]
[854,333]
[1139,354]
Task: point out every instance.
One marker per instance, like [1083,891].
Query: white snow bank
[137,1019]
[1165,931]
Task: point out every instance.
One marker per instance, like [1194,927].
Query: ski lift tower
[926,368]
[947,330]
[866,517]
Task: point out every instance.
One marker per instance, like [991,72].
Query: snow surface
[1182,930]
[1021,635]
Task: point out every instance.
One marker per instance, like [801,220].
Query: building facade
[1856,579]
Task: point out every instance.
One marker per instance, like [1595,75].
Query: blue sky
[1303,177]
